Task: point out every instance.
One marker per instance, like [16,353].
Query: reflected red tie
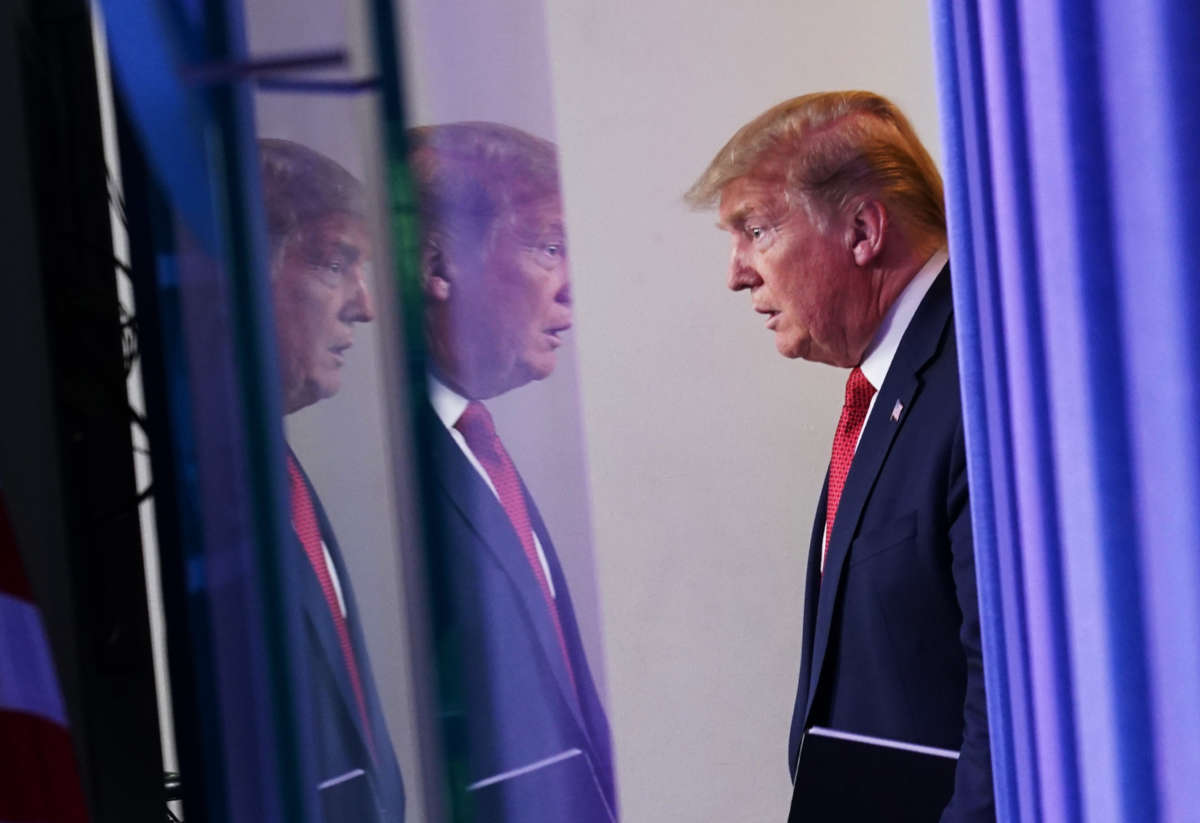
[480,432]
[304,521]
[859,392]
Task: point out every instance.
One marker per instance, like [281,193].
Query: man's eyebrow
[533,232]
[348,250]
[735,220]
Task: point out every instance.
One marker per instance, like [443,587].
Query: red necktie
[859,392]
[304,521]
[480,433]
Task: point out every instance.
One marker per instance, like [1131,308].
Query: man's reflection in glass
[319,263]
[525,718]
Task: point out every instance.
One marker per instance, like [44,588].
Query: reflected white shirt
[449,405]
[333,577]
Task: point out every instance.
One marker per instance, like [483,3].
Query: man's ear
[869,224]
[435,270]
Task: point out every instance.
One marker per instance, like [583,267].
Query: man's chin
[330,387]
[497,380]
[539,367]
[544,367]
[803,349]
[791,348]
[325,386]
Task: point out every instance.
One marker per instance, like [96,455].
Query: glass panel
[333,290]
[281,403]
[522,684]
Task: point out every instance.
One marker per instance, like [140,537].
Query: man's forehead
[335,225]
[342,234]
[543,214]
[748,194]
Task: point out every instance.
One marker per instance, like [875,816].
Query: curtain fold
[1068,171]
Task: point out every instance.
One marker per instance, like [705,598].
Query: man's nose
[563,295]
[360,306]
[741,275]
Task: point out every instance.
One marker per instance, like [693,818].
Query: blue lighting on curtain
[1070,175]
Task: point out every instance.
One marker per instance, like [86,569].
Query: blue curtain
[1074,235]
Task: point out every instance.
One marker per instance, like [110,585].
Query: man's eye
[332,267]
[756,232]
[550,255]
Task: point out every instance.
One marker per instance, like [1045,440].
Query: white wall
[706,448]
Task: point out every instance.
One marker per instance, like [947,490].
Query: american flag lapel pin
[896,409]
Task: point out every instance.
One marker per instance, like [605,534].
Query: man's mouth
[771,315]
[555,333]
[339,352]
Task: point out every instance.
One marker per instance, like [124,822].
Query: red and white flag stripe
[39,781]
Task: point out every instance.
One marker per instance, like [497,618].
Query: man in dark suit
[320,255]
[836,215]
[524,724]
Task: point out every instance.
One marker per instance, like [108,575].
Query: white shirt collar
[882,351]
[447,403]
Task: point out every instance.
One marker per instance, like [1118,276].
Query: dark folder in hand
[848,778]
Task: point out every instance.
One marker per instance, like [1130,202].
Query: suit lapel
[316,611]
[812,589]
[487,518]
[585,691]
[384,753]
[902,385]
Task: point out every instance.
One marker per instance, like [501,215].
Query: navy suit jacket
[526,746]
[891,644]
[352,785]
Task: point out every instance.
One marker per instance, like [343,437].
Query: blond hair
[470,176]
[301,186]
[828,148]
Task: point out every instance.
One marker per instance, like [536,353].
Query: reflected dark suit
[891,634]
[511,713]
[341,749]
